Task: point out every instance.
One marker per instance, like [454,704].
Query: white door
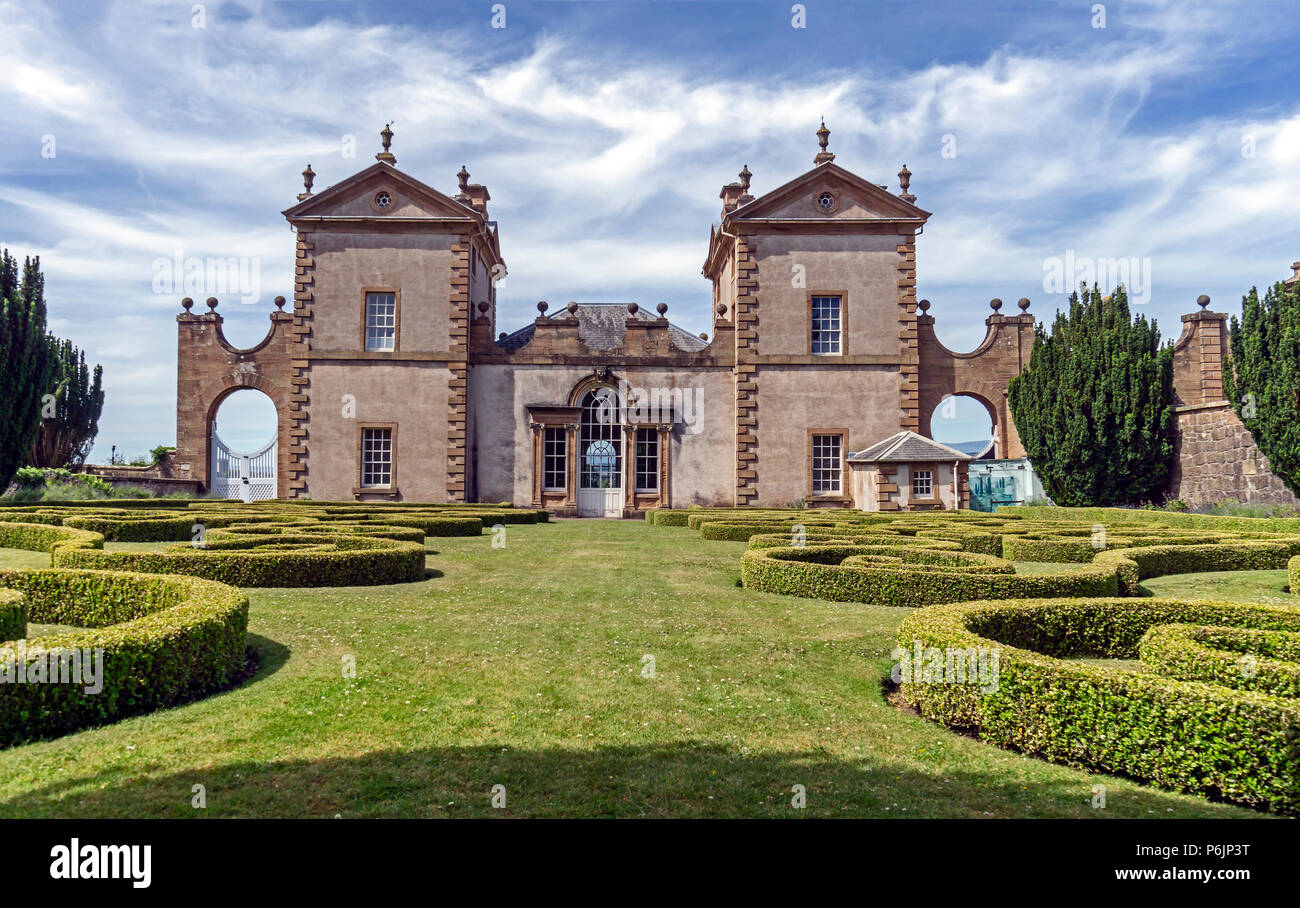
[600,457]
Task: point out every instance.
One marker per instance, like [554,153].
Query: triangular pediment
[357,196]
[853,199]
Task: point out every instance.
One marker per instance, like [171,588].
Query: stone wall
[1216,460]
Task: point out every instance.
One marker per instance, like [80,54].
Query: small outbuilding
[909,472]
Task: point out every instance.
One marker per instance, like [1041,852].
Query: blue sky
[1168,139]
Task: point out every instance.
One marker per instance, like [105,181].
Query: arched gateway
[982,374]
[208,370]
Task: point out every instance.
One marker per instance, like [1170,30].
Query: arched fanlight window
[600,440]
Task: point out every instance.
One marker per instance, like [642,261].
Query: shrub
[816,572]
[1240,745]
[13,615]
[1293,574]
[1137,564]
[1239,658]
[39,537]
[164,640]
[281,560]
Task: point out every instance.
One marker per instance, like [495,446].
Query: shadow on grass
[271,656]
[686,780]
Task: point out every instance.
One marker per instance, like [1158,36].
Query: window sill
[389,492]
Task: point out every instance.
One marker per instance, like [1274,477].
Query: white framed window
[647,460]
[922,484]
[381,321]
[827,464]
[376,458]
[826,326]
[555,459]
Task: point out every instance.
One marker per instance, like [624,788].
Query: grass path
[523,667]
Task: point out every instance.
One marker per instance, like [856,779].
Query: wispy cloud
[604,162]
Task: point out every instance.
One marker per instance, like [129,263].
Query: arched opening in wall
[243,443]
[966,423]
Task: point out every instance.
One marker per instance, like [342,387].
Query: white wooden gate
[248,477]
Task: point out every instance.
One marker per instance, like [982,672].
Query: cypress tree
[1094,408]
[26,363]
[1262,376]
[65,436]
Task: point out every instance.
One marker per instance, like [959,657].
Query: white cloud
[605,170]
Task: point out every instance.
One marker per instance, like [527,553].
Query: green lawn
[523,667]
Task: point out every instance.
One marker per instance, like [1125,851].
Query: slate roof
[907,446]
[601,326]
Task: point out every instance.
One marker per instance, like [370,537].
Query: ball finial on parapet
[187,304]
[279,302]
[572,307]
[924,305]
[212,303]
[542,307]
[1023,303]
[632,308]
[662,308]
[995,304]
[1203,301]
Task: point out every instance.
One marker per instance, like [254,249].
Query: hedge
[283,560]
[816,572]
[1240,658]
[1293,574]
[39,537]
[163,641]
[13,615]
[1239,745]
[1136,564]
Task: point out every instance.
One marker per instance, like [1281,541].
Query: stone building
[909,472]
[392,381]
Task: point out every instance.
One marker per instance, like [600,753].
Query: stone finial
[483,306]
[995,304]
[386,136]
[704,336]
[542,307]
[1023,303]
[662,308]
[308,177]
[633,308]
[905,183]
[462,179]
[279,302]
[722,308]
[745,198]
[572,307]
[187,304]
[924,305]
[823,138]
[502,336]
[1203,301]
[212,303]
